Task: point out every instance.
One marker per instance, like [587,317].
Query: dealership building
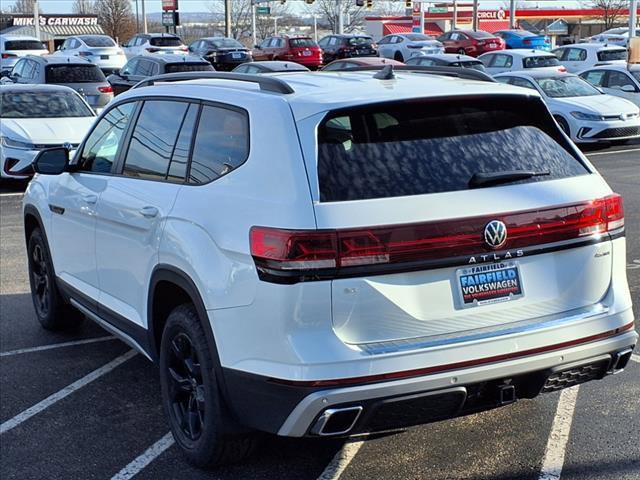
[562,25]
[54,29]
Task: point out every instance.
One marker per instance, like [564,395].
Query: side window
[427,62]
[501,61]
[265,43]
[333,41]
[153,139]
[155,68]
[521,82]
[487,60]
[335,66]
[506,80]
[383,41]
[576,55]
[619,80]
[180,157]
[280,43]
[18,68]
[560,53]
[130,67]
[144,68]
[595,77]
[100,149]
[221,144]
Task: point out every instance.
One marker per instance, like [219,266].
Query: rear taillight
[9,55]
[295,255]
[562,69]
[184,49]
[107,89]
[526,42]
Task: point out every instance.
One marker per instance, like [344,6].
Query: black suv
[143,66]
[223,53]
[347,46]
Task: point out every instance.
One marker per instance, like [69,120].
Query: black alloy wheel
[40,279]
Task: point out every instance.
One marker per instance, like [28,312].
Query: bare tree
[83,7]
[611,11]
[240,15]
[351,13]
[23,6]
[116,18]
[389,8]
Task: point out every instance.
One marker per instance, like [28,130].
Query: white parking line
[149,455]
[13,194]
[55,345]
[341,460]
[556,446]
[635,358]
[68,390]
[613,152]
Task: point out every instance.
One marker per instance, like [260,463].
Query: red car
[472,43]
[302,50]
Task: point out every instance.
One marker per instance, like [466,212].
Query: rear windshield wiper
[479,180]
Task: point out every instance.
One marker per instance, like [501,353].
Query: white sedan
[614,36]
[578,57]
[100,50]
[403,46]
[35,117]
[520,59]
[618,80]
[583,112]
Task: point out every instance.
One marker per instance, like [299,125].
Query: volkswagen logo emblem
[67,145]
[495,234]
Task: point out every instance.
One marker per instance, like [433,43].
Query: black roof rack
[268,84]
[466,73]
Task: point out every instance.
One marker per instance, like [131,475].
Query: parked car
[83,76]
[144,66]
[326,255]
[302,50]
[223,53]
[520,59]
[351,63]
[403,46]
[35,117]
[584,113]
[100,50]
[519,38]
[614,36]
[270,67]
[469,42]
[154,43]
[447,60]
[12,47]
[581,56]
[618,80]
[337,46]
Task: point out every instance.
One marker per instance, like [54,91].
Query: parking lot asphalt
[91,410]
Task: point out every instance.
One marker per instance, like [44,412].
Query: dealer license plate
[104,57]
[306,53]
[236,55]
[492,45]
[489,283]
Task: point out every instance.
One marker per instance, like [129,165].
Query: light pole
[455,15]
[227,18]
[512,14]
[254,35]
[340,17]
[315,28]
[633,18]
[137,18]
[275,26]
[36,18]
[144,19]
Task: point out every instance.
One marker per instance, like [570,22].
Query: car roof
[452,57]
[370,61]
[623,67]
[59,59]
[172,58]
[42,87]
[279,66]
[592,46]
[349,35]
[160,34]
[322,91]
[535,73]
[17,37]
[523,52]
[219,37]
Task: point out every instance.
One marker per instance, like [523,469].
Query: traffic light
[369,4]
[408,3]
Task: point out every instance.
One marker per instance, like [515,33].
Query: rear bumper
[290,409]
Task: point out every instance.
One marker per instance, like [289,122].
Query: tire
[51,309]
[563,125]
[190,396]
[398,57]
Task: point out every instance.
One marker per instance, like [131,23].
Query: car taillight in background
[526,41]
[106,89]
[8,55]
[333,253]
[184,49]
[562,69]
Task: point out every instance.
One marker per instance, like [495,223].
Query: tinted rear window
[479,34]
[360,41]
[425,146]
[542,61]
[23,45]
[188,67]
[302,42]
[610,55]
[74,74]
[98,41]
[165,42]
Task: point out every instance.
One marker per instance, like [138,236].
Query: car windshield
[541,61]
[226,43]
[98,41]
[479,34]
[53,104]
[610,55]
[417,37]
[302,42]
[188,67]
[360,41]
[566,86]
[475,65]
[23,45]
[522,33]
[74,73]
[165,42]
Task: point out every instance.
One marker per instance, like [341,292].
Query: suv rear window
[302,42]
[610,55]
[188,67]
[23,45]
[425,146]
[357,41]
[98,41]
[541,61]
[165,42]
[74,74]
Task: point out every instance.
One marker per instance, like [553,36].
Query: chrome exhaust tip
[336,421]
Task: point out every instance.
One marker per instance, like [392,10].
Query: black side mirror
[51,161]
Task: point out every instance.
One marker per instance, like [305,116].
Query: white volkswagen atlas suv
[317,254]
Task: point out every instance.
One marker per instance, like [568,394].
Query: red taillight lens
[562,69]
[8,55]
[526,42]
[107,89]
[184,49]
[342,251]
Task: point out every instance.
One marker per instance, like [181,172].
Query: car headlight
[587,116]
[10,142]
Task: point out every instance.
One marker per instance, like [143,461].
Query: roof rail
[466,73]
[268,84]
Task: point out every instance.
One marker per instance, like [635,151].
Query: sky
[64,6]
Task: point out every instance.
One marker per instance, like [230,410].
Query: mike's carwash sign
[56,21]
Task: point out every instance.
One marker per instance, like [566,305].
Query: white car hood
[600,104]
[47,130]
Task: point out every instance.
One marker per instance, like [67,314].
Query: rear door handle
[149,212]
[90,199]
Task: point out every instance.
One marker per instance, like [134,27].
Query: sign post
[170,16]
